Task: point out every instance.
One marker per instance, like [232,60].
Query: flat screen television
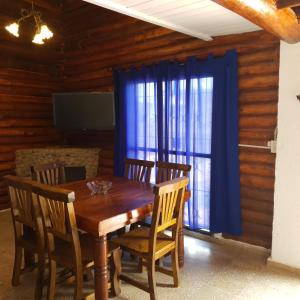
[84,111]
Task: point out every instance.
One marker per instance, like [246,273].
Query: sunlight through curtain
[165,112]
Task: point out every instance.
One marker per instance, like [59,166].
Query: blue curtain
[187,114]
[136,116]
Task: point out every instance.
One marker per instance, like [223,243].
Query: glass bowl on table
[99,186]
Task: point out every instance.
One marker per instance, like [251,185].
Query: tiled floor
[212,271]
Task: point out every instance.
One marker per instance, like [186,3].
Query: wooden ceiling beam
[287,3]
[264,13]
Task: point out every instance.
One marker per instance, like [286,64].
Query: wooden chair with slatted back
[167,171]
[28,228]
[66,247]
[52,173]
[138,170]
[151,244]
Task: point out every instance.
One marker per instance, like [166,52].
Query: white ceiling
[200,18]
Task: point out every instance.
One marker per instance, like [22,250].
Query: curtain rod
[254,146]
[181,62]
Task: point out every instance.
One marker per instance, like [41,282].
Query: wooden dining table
[125,203]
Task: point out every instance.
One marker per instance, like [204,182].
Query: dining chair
[167,171]
[138,170]
[150,244]
[164,171]
[52,173]
[66,247]
[26,215]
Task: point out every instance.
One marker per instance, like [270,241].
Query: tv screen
[84,111]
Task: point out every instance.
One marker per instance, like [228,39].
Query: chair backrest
[167,210]
[167,171]
[58,215]
[57,209]
[138,170]
[52,173]
[25,210]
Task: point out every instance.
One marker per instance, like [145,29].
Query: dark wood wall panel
[95,47]
[29,74]
[101,139]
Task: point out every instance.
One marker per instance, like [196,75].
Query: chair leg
[17,266]
[115,271]
[40,277]
[151,279]
[140,265]
[78,293]
[175,268]
[52,278]
[29,260]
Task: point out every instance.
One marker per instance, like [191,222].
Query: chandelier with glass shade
[42,32]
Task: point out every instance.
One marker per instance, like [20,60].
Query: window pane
[201,114]
[141,116]
[196,213]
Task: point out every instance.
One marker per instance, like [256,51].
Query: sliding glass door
[177,130]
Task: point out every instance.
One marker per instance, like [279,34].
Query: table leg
[181,242]
[101,274]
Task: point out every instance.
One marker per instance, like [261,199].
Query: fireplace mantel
[71,157]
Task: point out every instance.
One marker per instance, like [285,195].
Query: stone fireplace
[73,158]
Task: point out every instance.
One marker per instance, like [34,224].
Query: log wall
[28,76]
[107,40]
[95,42]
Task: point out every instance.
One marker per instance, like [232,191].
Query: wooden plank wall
[107,40]
[28,76]
[99,139]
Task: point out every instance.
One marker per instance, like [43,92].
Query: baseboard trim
[274,265]
[219,239]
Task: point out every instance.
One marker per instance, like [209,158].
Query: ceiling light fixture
[42,32]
